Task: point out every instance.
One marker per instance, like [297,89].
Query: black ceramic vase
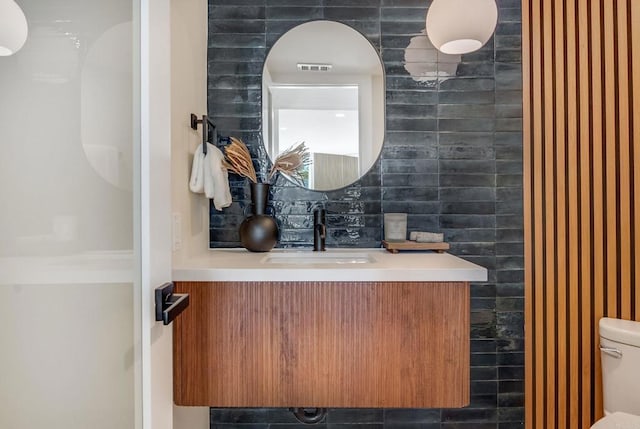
[259,231]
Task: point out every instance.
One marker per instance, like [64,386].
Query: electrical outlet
[176,231]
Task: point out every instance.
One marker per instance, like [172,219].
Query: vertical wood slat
[573,200]
[634,11]
[624,163]
[582,174]
[537,164]
[560,262]
[548,198]
[585,233]
[599,243]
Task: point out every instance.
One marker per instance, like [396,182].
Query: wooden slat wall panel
[581,69]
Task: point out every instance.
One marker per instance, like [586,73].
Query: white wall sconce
[461,26]
[13,28]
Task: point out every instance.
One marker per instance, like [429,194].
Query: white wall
[188,95]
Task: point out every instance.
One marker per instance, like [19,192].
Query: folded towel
[209,176]
[216,178]
[426,237]
[196,183]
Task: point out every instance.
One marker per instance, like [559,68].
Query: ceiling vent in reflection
[314,67]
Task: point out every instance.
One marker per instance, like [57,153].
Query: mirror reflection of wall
[327,119]
[323,84]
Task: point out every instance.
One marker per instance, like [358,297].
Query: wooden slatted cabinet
[323,344]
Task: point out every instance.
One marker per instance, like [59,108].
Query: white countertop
[345,265]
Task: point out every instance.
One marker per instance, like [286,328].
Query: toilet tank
[620,352]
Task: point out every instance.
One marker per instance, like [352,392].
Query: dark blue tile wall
[452,160]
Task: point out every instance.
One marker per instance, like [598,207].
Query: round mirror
[323,84]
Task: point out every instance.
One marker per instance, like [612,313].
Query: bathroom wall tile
[481,388]
[411,124]
[508,3]
[468,84]
[514,414]
[485,54]
[464,139]
[467,97]
[293,12]
[466,111]
[508,111]
[420,4]
[355,426]
[353,3]
[355,415]
[412,425]
[411,111]
[515,358]
[483,304]
[468,180]
[484,346]
[320,425]
[403,14]
[467,194]
[465,425]
[463,207]
[410,207]
[236,12]
[238,415]
[412,98]
[509,180]
[483,359]
[511,399]
[469,415]
[345,13]
[292,2]
[485,401]
[413,415]
[414,180]
[483,290]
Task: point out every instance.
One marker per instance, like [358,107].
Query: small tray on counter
[397,246]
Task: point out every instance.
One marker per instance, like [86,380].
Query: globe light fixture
[13,28]
[461,26]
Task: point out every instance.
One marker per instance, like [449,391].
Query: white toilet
[620,352]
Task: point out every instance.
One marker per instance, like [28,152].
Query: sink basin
[307,258]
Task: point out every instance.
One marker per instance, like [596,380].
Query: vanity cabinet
[323,344]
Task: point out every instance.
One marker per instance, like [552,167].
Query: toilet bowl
[620,352]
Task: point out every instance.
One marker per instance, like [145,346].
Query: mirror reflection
[323,84]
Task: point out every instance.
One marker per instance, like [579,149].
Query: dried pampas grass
[238,160]
[291,162]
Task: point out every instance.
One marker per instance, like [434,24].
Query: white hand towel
[196,183]
[216,179]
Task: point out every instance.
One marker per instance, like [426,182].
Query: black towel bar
[207,128]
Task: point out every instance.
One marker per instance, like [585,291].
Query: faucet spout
[319,230]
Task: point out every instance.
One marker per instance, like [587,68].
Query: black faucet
[319,230]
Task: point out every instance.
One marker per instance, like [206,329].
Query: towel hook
[207,127]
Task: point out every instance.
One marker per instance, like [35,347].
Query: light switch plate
[176,231]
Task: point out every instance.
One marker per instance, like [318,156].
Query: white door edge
[155,198]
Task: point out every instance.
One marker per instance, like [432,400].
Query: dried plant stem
[291,162]
[239,160]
